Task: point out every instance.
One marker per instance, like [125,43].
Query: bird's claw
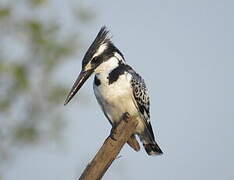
[126,116]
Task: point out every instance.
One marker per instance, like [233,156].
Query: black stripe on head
[108,53]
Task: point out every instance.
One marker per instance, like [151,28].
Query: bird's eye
[95,60]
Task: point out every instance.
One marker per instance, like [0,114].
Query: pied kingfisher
[118,88]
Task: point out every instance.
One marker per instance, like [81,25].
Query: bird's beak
[83,76]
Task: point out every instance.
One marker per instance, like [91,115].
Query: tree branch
[110,149]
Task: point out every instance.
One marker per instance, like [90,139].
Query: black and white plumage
[117,87]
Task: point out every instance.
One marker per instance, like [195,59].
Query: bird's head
[101,50]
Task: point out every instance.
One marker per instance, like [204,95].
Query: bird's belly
[115,100]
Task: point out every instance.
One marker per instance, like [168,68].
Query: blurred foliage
[5,12]
[33,48]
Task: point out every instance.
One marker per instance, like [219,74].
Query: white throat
[110,64]
[107,66]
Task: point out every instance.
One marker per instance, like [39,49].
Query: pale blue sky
[185,51]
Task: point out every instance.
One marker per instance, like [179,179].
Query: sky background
[185,52]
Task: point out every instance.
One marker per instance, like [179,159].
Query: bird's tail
[149,143]
[152,148]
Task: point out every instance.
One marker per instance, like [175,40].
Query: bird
[118,89]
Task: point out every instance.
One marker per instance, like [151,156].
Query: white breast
[116,98]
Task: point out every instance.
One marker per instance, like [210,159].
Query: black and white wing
[142,102]
[141,97]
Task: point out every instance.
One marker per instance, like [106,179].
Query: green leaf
[5,12]
[57,94]
[20,76]
[38,2]
[85,14]
[26,134]
[5,104]
[2,67]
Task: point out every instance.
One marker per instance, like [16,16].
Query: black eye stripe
[95,60]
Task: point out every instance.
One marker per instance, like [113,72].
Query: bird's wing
[141,98]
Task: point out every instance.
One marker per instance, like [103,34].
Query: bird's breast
[114,98]
[121,89]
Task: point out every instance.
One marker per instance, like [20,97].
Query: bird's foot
[126,116]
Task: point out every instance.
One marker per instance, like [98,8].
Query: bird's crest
[101,38]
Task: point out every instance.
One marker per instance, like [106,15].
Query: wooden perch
[110,149]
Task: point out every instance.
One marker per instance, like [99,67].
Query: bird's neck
[107,66]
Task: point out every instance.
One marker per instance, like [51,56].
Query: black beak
[83,76]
